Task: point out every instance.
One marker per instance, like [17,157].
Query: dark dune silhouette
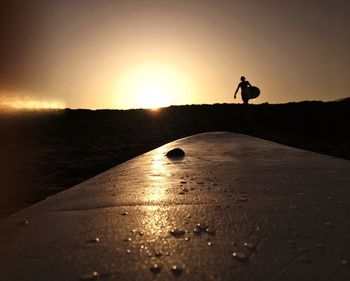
[45,152]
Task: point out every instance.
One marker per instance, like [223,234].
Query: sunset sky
[132,54]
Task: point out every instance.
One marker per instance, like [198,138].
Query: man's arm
[237,90]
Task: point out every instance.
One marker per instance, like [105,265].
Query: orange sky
[131,54]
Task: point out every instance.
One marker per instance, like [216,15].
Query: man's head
[242,78]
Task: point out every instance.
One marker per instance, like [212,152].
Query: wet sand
[49,151]
[246,209]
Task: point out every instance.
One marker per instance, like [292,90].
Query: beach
[45,152]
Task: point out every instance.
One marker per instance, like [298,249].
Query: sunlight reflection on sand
[157,189]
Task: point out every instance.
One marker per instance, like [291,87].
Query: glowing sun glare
[29,103]
[150,86]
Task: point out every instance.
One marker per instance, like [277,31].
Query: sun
[154,95]
[149,86]
[152,91]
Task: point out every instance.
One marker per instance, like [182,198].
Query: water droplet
[197,231]
[158,254]
[128,251]
[187,239]
[141,233]
[177,232]
[344,262]
[90,276]
[93,240]
[202,226]
[176,270]
[210,231]
[127,239]
[249,245]
[240,256]
[24,222]
[209,243]
[155,268]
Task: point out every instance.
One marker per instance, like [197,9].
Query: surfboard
[251,92]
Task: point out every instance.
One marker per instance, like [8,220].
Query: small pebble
[176,153]
[125,213]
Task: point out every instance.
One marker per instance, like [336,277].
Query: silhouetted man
[243,85]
